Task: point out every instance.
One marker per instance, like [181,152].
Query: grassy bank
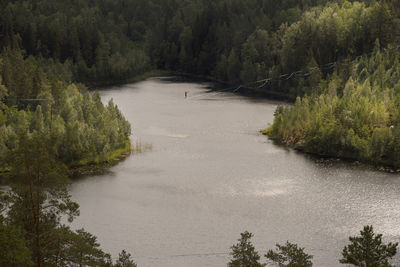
[94,165]
[98,164]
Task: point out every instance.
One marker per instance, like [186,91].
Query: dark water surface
[211,176]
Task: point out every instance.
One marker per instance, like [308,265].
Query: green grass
[99,165]
[116,155]
[264,131]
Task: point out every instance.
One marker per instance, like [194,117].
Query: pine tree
[124,260]
[289,255]
[13,247]
[367,250]
[39,195]
[244,253]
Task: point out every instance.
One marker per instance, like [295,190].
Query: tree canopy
[368,250]
[50,122]
[35,102]
[356,115]
[32,232]
[289,255]
[243,253]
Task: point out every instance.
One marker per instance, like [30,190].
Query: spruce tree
[367,250]
[124,260]
[289,255]
[244,253]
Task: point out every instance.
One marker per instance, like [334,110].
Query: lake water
[210,176]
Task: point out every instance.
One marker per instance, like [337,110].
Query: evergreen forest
[338,61]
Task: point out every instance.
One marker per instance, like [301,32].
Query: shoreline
[190,77]
[99,165]
[333,158]
[88,166]
[254,93]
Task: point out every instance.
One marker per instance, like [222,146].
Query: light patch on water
[178,135]
[389,229]
[270,192]
[257,188]
[381,214]
[267,188]
[164,132]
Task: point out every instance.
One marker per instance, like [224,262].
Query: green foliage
[109,41]
[289,255]
[355,117]
[48,124]
[103,41]
[82,249]
[243,253]
[13,247]
[124,260]
[86,130]
[367,250]
[38,198]
[84,39]
[243,42]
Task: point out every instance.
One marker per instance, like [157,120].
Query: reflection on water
[210,176]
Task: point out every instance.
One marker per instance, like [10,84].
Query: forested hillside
[357,116]
[46,127]
[35,102]
[244,41]
[92,39]
[351,110]
[234,41]
[50,50]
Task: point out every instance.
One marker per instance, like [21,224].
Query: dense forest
[338,59]
[351,111]
[37,102]
[233,41]
[357,116]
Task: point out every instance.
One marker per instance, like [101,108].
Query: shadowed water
[211,176]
